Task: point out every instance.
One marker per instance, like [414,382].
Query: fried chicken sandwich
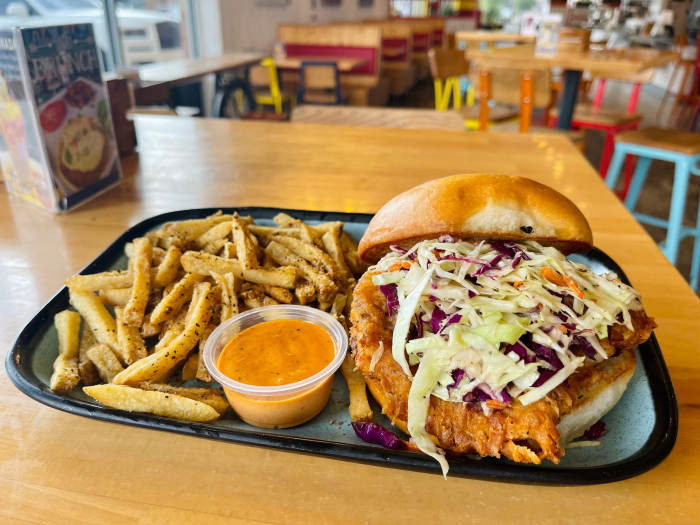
[473,330]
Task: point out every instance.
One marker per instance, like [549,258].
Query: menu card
[57,142]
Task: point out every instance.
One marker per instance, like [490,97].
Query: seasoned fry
[328,226]
[246,250]
[281,295]
[218,232]
[351,257]
[136,307]
[331,241]
[256,299]
[189,371]
[208,396]
[106,363]
[202,372]
[96,316]
[204,264]
[348,301]
[65,368]
[311,253]
[308,234]
[167,269]
[86,368]
[115,297]
[151,402]
[359,405]
[190,230]
[229,301]
[171,355]
[100,281]
[325,288]
[158,253]
[149,329]
[131,343]
[268,263]
[305,293]
[229,251]
[214,247]
[286,221]
[171,303]
[266,231]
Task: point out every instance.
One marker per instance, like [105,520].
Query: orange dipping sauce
[276,353]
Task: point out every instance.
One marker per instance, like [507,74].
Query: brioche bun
[474,207]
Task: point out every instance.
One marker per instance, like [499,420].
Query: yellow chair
[265,84]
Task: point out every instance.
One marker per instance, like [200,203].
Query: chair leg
[438,94]
[695,264]
[635,188]
[608,148]
[615,167]
[675,220]
[629,169]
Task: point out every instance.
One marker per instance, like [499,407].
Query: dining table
[491,38]
[59,468]
[344,64]
[600,61]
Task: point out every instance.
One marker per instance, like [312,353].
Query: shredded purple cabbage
[452,320]
[397,248]
[436,318]
[509,249]
[432,298]
[419,326]
[457,375]
[518,348]
[596,431]
[377,434]
[541,350]
[392,298]
[530,359]
[588,349]
[544,376]
[476,395]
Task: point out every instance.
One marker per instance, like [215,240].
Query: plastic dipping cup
[277,406]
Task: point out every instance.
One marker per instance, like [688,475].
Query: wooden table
[491,37]
[56,468]
[344,64]
[601,61]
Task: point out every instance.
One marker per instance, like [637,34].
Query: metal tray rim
[664,398]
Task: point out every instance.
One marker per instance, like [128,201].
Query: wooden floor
[656,195]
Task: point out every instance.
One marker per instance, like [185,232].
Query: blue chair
[319,83]
[679,147]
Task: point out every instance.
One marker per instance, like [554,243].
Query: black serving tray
[643,425]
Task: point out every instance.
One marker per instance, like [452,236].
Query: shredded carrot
[398,266]
[517,284]
[572,284]
[595,301]
[563,328]
[552,276]
[496,405]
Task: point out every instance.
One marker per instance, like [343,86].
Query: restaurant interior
[295,122]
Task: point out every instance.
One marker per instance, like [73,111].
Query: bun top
[475,207]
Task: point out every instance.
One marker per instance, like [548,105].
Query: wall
[248,27]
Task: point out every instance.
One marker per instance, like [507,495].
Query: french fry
[286,221]
[129,337]
[229,251]
[246,250]
[351,257]
[311,253]
[172,354]
[171,303]
[208,396]
[281,295]
[167,269]
[190,230]
[189,371]
[215,233]
[158,253]
[328,226]
[256,299]
[348,301]
[151,402]
[97,317]
[266,231]
[229,300]
[65,368]
[308,234]
[106,363]
[359,405]
[86,368]
[331,241]
[204,264]
[136,307]
[325,287]
[100,281]
[149,329]
[305,293]
[202,372]
[214,247]
[115,297]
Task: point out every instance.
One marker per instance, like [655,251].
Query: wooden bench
[363,86]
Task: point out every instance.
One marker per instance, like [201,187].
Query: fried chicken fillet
[525,434]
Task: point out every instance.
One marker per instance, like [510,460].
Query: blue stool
[679,147]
